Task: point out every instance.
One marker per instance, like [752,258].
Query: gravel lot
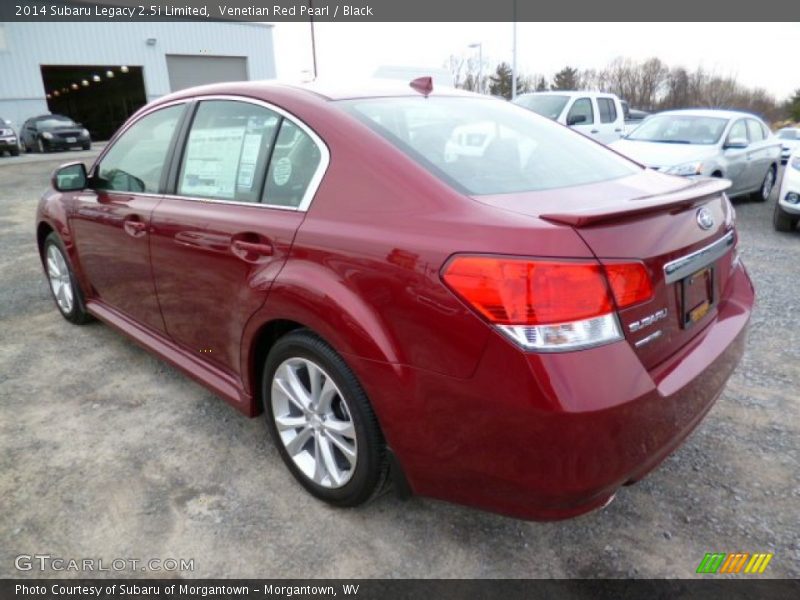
[106,452]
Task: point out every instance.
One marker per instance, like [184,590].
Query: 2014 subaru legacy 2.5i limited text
[433,288]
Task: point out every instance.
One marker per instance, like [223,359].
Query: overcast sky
[758,54]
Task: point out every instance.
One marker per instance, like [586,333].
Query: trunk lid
[655,219]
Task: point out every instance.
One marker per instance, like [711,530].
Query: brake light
[630,283]
[548,305]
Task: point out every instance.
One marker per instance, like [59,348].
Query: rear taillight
[630,283]
[548,305]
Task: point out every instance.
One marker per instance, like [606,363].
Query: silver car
[717,143]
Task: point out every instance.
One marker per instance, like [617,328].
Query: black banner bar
[399,10]
[369,589]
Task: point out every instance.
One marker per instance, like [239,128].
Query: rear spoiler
[697,192]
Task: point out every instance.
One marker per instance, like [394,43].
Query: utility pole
[313,41]
[514,55]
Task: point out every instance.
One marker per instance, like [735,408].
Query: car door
[581,117]
[610,121]
[735,151]
[221,236]
[111,218]
[760,152]
[27,134]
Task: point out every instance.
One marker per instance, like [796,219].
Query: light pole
[479,46]
[514,56]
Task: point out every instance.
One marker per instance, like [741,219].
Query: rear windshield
[486,146]
[549,106]
[680,129]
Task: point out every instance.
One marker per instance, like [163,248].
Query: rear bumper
[553,436]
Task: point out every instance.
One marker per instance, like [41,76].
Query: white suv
[595,114]
[787,209]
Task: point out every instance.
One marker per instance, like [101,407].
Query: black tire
[763,194]
[369,475]
[782,220]
[77,314]
[14,151]
[87,146]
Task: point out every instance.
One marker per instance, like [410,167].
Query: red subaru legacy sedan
[425,287]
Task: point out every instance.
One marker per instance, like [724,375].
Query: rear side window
[581,108]
[294,163]
[607,109]
[227,151]
[485,146]
[755,130]
[135,162]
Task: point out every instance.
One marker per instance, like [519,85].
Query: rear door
[610,124]
[761,152]
[238,195]
[111,219]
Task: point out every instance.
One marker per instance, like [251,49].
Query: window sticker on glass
[282,171]
[227,151]
[212,157]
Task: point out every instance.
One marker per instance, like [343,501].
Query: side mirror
[70,177]
[738,143]
[576,120]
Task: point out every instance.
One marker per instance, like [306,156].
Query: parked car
[790,141]
[717,143]
[8,138]
[523,329]
[598,115]
[787,208]
[54,132]
[633,116]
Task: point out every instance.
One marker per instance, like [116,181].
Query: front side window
[484,146]
[755,131]
[581,112]
[680,129]
[738,133]
[227,151]
[789,134]
[136,161]
[608,111]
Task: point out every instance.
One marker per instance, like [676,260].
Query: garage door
[187,71]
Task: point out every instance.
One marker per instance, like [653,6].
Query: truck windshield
[547,105]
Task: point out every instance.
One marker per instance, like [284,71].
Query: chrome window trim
[313,184]
[691,263]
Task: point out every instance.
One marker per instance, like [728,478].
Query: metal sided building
[100,73]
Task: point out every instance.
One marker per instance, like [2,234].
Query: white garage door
[187,71]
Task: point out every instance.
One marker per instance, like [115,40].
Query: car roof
[710,112]
[569,93]
[326,90]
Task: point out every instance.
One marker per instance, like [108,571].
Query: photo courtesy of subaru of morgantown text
[418,286]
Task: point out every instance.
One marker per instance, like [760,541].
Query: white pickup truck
[595,114]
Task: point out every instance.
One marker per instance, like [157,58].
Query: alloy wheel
[313,422]
[60,281]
